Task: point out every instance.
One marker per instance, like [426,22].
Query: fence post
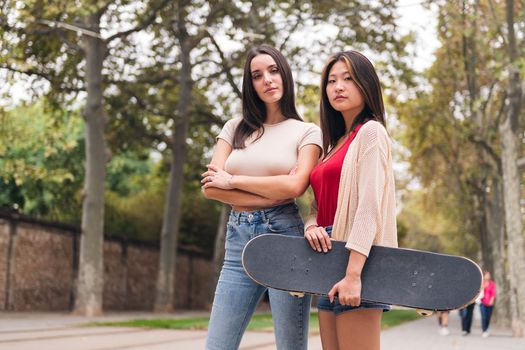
[11,278]
[74,270]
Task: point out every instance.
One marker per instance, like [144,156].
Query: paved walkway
[43,331]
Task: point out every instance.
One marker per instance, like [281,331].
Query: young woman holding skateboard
[354,195]
[261,163]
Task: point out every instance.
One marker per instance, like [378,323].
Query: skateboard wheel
[297,294]
[424,312]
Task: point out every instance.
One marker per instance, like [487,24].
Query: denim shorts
[324,304]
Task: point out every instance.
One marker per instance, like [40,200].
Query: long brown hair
[366,79]
[253,108]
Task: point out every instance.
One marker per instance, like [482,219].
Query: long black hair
[366,79]
[253,108]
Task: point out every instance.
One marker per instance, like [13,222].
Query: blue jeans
[486,312]
[237,296]
[324,304]
[466,317]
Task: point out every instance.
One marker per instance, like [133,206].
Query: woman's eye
[349,78]
[274,70]
[255,77]
[331,81]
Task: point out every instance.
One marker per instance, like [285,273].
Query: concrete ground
[55,331]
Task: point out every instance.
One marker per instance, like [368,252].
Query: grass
[259,322]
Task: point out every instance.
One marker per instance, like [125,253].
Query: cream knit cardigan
[366,204]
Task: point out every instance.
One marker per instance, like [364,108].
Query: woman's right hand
[318,238]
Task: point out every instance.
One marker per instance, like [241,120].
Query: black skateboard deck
[394,276]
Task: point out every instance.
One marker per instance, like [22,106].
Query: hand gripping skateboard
[394,276]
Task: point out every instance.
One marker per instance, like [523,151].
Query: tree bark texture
[509,135]
[496,248]
[173,203]
[218,251]
[513,223]
[90,282]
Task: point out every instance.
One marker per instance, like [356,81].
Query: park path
[43,331]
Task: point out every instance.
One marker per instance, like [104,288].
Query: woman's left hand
[348,291]
[216,177]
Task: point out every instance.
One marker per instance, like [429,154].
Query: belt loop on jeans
[236,217]
[263,215]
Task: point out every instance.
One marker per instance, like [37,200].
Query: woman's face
[343,93]
[486,276]
[266,78]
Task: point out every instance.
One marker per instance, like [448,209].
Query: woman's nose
[267,78]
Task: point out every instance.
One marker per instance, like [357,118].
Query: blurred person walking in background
[487,302]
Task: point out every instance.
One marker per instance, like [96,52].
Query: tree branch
[490,151]
[206,60]
[294,28]
[497,21]
[58,25]
[30,72]
[150,136]
[152,79]
[149,20]
[203,30]
[209,117]
[225,67]
[487,100]
[502,108]
[47,76]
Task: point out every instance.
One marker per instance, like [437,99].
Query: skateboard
[395,276]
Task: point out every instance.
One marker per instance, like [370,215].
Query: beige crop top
[275,153]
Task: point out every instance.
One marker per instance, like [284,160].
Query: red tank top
[325,182]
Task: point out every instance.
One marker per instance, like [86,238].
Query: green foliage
[135,204]
[259,322]
[395,318]
[127,172]
[451,128]
[41,162]
[134,198]
[141,92]
[420,226]
[200,217]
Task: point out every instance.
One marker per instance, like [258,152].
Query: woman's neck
[273,114]
[349,117]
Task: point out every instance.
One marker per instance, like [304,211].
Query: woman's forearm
[292,185]
[275,187]
[356,262]
[238,198]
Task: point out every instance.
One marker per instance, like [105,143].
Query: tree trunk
[509,135]
[172,211]
[513,223]
[218,251]
[90,272]
[483,220]
[495,224]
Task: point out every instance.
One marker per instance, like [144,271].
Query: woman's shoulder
[372,131]
[302,125]
[233,121]
[373,126]
[232,124]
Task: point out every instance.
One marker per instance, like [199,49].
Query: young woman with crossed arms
[354,195]
[261,162]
